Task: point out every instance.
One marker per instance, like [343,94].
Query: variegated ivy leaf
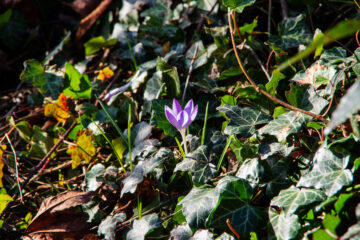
[234,204]
[243,120]
[225,236]
[329,172]
[144,167]
[285,226]
[293,198]
[202,234]
[266,150]
[197,205]
[200,163]
[284,125]
[143,226]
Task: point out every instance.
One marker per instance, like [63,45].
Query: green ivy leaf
[198,204]
[305,97]
[49,83]
[200,164]
[243,120]
[234,204]
[76,85]
[144,167]
[158,117]
[238,5]
[285,226]
[294,198]
[95,44]
[292,33]
[170,77]
[329,172]
[284,125]
[141,227]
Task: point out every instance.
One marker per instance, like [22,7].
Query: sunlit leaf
[198,204]
[4,199]
[243,120]
[141,227]
[95,44]
[83,150]
[284,125]
[285,226]
[108,226]
[238,5]
[293,198]
[329,172]
[59,109]
[76,85]
[105,74]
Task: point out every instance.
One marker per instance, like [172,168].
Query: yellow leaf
[2,149]
[119,146]
[105,74]
[84,149]
[59,109]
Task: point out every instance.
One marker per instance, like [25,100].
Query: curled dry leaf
[58,217]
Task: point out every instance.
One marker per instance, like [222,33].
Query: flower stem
[183,135]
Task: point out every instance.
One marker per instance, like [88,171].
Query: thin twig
[190,71]
[268,95]
[269,18]
[228,223]
[268,60]
[39,165]
[16,167]
[257,59]
[7,134]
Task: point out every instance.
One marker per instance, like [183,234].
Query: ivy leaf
[251,170]
[238,5]
[202,234]
[243,150]
[98,176]
[284,125]
[145,167]
[293,198]
[4,199]
[285,226]
[234,204]
[293,32]
[198,204]
[59,110]
[95,44]
[2,149]
[243,120]
[41,143]
[305,97]
[349,104]
[76,85]
[329,172]
[225,236]
[200,164]
[141,227]
[266,150]
[48,83]
[158,117]
[108,226]
[83,150]
[154,86]
[170,77]
[181,232]
[353,232]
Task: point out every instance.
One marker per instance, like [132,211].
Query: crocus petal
[176,107]
[184,120]
[172,119]
[189,106]
[194,113]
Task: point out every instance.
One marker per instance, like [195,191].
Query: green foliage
[76,85]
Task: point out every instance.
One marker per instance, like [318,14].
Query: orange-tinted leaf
[59,109]
[84,149]
[105,74]
[2,149]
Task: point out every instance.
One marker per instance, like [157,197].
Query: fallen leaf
[105,74]
[59,218]
[59,109]
[83,150]
[2,149]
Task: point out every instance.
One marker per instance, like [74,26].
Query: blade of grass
[129,136]
[224,151]
[139,203]
[180,148]
[132,53]
[112,120]
[111,145]
[205,122]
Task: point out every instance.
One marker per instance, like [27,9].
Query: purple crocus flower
[180,118]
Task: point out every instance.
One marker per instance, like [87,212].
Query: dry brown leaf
[58,217]
[310,74]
